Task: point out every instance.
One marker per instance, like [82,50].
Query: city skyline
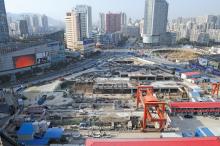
[184,8]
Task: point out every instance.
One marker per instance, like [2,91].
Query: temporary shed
[53,133]
[26,132]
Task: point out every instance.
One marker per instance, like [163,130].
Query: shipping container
[187,75]
[203,132]
[179,71]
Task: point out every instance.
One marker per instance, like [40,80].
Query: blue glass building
[4,32]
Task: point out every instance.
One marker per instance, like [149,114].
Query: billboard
[42,58]
[24,61]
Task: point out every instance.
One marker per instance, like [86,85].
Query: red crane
[215,89]
[154,110]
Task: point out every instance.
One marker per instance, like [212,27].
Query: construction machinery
[154,116]
[215,89]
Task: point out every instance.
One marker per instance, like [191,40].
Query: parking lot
[191,124]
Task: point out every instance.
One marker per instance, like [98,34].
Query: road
[79,66]
[89,63]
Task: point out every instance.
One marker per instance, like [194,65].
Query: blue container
[203,132]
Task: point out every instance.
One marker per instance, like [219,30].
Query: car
[19,89]
[76,134]
[188,116]
[96,135]
[83,126]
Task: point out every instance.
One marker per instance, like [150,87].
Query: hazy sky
[133,8]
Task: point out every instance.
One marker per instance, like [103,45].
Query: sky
[133,8]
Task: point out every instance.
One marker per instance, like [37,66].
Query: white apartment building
[78,25]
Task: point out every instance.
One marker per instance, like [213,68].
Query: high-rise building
[123,19]
[141,27]
[13,29]
[44,20]
[72,33]
[218,22]
[155,21]
[113,22]
[78,25]
[4,31]
[102,22]
[36,23]
[211,21]
[23,28]
[28,20]
[84,13]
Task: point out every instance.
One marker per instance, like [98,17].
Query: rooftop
[26,129]
[112,80]
[53,133]
[166,84]
[213,141]
[35,142]
[215,57]
[192,73]
[149,73]
[195,104]
[16,46]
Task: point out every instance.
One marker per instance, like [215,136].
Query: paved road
[73,68]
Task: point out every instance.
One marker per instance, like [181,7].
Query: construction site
[127,97]
[178,55]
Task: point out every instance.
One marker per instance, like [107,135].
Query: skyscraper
[36,24]
[211,21]
[155,21]
[14,29]
[141,27]
[44,20]
[102,22]
[113,22]
[28,19]
[72,33]
[123,19]
[4,31]
[78,25]
[23,28]
[218,22]
[84,13]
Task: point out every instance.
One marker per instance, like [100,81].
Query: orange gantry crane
[154,110]
[215,89]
